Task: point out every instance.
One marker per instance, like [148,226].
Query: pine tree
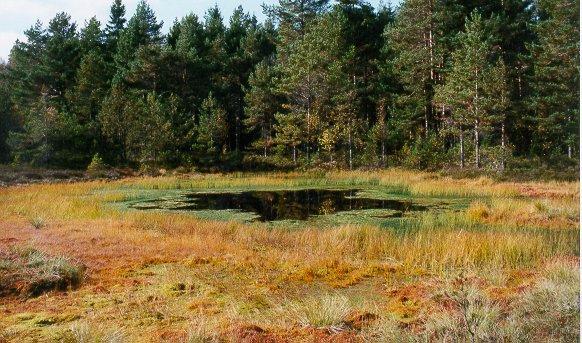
[342,85]
[296,14]
[317,85]
[364,30]
[468,92]
[214,24]
[192,80]
[50,132]
[557,77]
[190,40]
[261,105]
[91,37]
[500,103]
[174,34]
[212,138]
[27,72]
[142,30]
[114,123]
[61,58]
[90,89]
[191,65]
[413,39]
[292,17]
[238,68]
[151,118]
[289,128]
[7,118]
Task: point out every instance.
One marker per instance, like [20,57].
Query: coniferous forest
[428,84]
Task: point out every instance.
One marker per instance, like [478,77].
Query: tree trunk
[426,120]
[429,110]
[503,145]
[431,40]
[237,128]
[569,145]
[476,115]
[462,141]
[265,141]
[350,144]
[294,155]
[383,154]
[308,128]
[477,153]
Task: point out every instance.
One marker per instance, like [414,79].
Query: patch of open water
[283,205]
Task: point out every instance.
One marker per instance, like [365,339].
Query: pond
[283,205]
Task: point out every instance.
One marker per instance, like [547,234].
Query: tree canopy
[338,84]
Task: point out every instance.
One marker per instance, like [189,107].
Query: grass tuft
[37,223]
[477,211]
[550,311]
[328,311]
[29,272]
[83,332]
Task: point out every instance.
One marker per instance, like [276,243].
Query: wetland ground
[378,256]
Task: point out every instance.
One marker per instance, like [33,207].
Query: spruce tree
[115,25]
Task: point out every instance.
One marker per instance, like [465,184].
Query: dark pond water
[281,205]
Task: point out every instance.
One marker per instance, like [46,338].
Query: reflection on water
[281,205]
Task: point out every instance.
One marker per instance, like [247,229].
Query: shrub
[389,330]
[202,330]
[51,273]
[425,153]
[97,167]
[475,318]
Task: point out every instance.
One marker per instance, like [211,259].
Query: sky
[18,15]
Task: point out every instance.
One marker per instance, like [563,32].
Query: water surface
[284,205]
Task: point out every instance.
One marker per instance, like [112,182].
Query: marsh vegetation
[486,261]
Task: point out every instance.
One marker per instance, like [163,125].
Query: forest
[428,84]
